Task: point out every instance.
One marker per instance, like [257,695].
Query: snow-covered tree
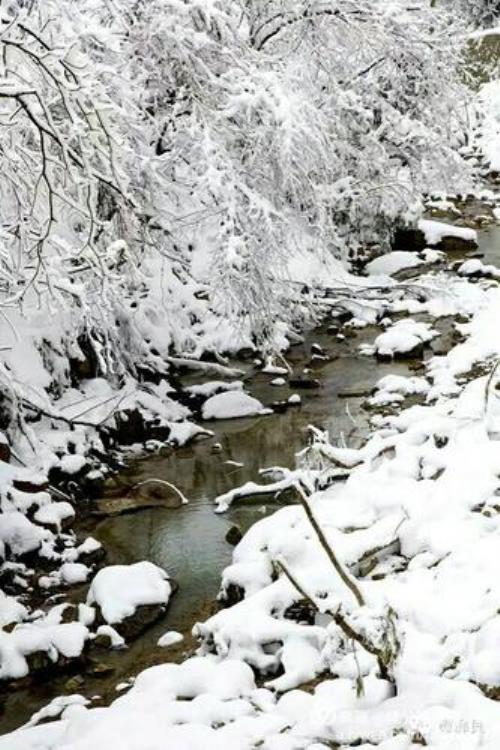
[480,13]
[275,126]
[213,140]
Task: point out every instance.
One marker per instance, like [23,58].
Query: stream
[189,541]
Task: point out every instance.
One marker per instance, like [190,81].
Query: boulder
[233,535]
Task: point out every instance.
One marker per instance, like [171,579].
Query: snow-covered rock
[45,637]
[119,590]
[54,514]
[392,263]
[436,232]
[170,639]
[405,338]
[475,267]
[232,404]
[213,387]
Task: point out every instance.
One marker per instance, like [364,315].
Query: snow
[170,638]
[72,573]
[394,388]
[436,231]
[475,267]
[489,139]
[119,590]
[400,338]
[67,639]
[213,387]
[279,382]
[20,535]
[231,405]
[117,641]
[391,263]
[72,464]
[53,514]
[11,610]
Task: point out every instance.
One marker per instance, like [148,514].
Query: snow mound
[436,231]
[213,387]
[394,388]
[54,514]
[44,635]
[402,337]
[170,638]
[232,404]
[391,263]
[120,589]
[475,267]
[20,535]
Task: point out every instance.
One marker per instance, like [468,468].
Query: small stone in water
[233,535]
[170,638]
[278,381]
[295,399]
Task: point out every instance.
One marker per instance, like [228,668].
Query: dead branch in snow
[385,654]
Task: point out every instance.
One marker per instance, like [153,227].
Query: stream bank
[190,541]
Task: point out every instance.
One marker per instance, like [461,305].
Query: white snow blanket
[435,231]
[119,589]
[232,404]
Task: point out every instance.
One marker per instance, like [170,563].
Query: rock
[416,353]
[100,669]
[74,684]
[38,661]
[232,595]
[412,240]
[143,618]
[69,614]
[456,245]
[149,494]
[279,407]
[245,353]
[233,535]
[305,383]
[30,487]
[102,640]
[302,612]
[4,450]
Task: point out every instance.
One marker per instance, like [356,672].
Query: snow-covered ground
[416,524]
